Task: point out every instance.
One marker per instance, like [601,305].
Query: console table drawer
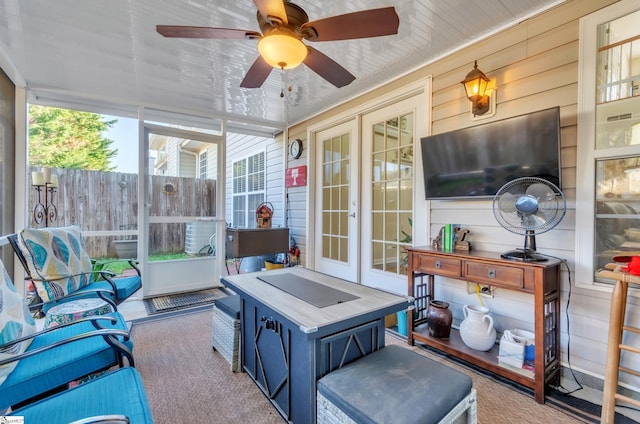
[495,275]
[446,267]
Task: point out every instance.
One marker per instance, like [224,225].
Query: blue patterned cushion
[15,322]
[53,253]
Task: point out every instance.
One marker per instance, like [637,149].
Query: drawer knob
[438,265]
[492,273]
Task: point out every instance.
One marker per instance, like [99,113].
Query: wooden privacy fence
[108,201]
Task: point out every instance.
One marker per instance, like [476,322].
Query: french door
[369,188]
[389,192]
[337,198]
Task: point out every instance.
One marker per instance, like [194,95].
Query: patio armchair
[56,261]
[33,363]
[60,355]
[116,397]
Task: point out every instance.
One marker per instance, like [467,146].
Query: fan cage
[554,209]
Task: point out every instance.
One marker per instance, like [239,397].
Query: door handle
[352,215]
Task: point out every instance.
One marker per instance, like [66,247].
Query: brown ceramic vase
[439,319]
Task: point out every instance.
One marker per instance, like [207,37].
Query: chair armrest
[64,277]
[93,319]
[133,263]
[109,335]
[104,294]
[103,419]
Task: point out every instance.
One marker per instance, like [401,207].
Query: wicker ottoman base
[226,337]
[465,412]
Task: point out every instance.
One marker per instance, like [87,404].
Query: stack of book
[449,237]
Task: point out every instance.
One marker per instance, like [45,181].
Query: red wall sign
[296,176]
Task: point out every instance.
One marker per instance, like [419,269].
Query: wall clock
[295,148]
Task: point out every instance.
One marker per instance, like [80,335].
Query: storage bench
[225,336]
[395,385]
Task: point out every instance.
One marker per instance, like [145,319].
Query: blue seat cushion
[60,365]
[230,305]
[119,392]
[395,385]
[125,287]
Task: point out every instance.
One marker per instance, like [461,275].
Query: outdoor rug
[174,302]
[493,390]
[579,409]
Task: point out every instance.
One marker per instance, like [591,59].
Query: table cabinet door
[266,346]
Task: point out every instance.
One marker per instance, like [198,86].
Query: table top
[308,316]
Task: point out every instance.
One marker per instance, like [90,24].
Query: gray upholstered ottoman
[395,385]
[225,336]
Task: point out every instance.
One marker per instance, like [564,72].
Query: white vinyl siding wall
[535,65]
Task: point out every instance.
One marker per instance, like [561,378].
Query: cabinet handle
[269,323]
[438,265]
[492,273]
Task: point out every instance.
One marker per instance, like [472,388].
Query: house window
[608,202]
[249,176]
[203,165]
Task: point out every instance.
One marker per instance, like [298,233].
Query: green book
[446,238]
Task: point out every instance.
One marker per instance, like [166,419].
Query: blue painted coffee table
[299,325]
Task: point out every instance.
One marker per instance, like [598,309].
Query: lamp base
[524,255]
[485,108]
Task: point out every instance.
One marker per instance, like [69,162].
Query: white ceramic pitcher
[476,329]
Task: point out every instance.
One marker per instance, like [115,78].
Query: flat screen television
[477,161]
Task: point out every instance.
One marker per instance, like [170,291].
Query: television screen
[477,161]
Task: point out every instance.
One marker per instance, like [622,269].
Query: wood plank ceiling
[107,55]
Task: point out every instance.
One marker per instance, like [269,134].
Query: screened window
[202,166]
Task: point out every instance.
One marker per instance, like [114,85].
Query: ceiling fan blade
[328,68]
[364,24]
[174,31]
[257,74]
[272,9]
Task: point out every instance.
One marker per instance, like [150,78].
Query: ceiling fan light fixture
[282,51]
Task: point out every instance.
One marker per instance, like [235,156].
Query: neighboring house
[182,158]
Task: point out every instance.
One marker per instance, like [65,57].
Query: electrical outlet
[485,289]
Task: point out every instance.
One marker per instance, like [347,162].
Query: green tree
[63,138]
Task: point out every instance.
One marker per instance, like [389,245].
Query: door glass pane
[183,196]
[335,198]
[617,191]
[392,193]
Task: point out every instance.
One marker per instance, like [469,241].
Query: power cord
[560,388]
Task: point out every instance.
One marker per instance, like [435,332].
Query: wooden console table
[287,343]
[542,279]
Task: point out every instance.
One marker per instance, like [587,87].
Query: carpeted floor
[187,381]
[177,301]
[578,409]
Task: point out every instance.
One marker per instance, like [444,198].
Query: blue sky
[125,138]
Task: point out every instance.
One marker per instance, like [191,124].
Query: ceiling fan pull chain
[282,79]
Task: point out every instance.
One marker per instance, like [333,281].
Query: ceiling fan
[283,26]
